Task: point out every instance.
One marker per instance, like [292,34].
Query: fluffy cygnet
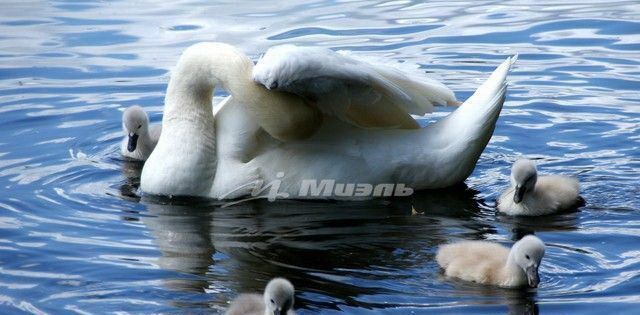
[532,195]
[493,264]
[140,139]
[277,300]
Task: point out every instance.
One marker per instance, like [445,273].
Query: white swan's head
[523,177]
[527,254]
[278,296]
[134,123]
[273,71]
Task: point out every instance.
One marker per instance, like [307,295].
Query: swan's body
[260,136]
[493,264]
[277,299]
[531,195]
[140,138]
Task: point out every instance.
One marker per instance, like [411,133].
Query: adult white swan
[257,136]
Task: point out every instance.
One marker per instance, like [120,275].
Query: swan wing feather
[362,92]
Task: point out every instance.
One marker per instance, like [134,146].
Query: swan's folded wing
[368,95]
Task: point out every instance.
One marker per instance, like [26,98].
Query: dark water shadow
[318,245]
[523,225]
[131,171]
[517,300]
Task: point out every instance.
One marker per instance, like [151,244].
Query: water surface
[75,237]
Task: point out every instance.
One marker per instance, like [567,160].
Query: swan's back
[247,304]
[558,192]
[477,261]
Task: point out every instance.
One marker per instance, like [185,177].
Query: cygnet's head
[134,123]
[278,296]
[523,176]
[527,254]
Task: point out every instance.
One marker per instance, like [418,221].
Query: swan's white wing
[366,94]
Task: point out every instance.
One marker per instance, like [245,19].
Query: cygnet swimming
[493,264]
[140,138]
[531,195]
[276,300]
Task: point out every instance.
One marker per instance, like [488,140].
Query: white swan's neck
[200,69]
[282,115]
[184,160]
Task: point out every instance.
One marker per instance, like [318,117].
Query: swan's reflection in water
[354,254]
[521,226]
[183,236]
[131,170]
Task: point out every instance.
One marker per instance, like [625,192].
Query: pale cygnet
[140,139]
[491,263]
[277,300]
[532,195]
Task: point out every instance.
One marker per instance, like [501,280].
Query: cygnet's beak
[518,194]
[133,142]
[532,276]
[279,311]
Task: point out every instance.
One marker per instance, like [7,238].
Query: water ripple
[75,235]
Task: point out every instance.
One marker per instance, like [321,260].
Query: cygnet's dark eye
[139,126]
[527,257]
[272,302]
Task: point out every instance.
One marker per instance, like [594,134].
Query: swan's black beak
[532,276]
[133,142]
[518,194]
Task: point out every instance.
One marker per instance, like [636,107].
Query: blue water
[76,238]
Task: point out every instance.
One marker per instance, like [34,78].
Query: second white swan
[258,137]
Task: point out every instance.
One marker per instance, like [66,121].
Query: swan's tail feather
[423,93]
[419,93]
[493,84]
[463,134]
[477,116]
[496,91]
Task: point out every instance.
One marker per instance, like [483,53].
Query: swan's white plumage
[491,263]
[136,122]
[548,194]
[220,156]
[359,92]
[278,298]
